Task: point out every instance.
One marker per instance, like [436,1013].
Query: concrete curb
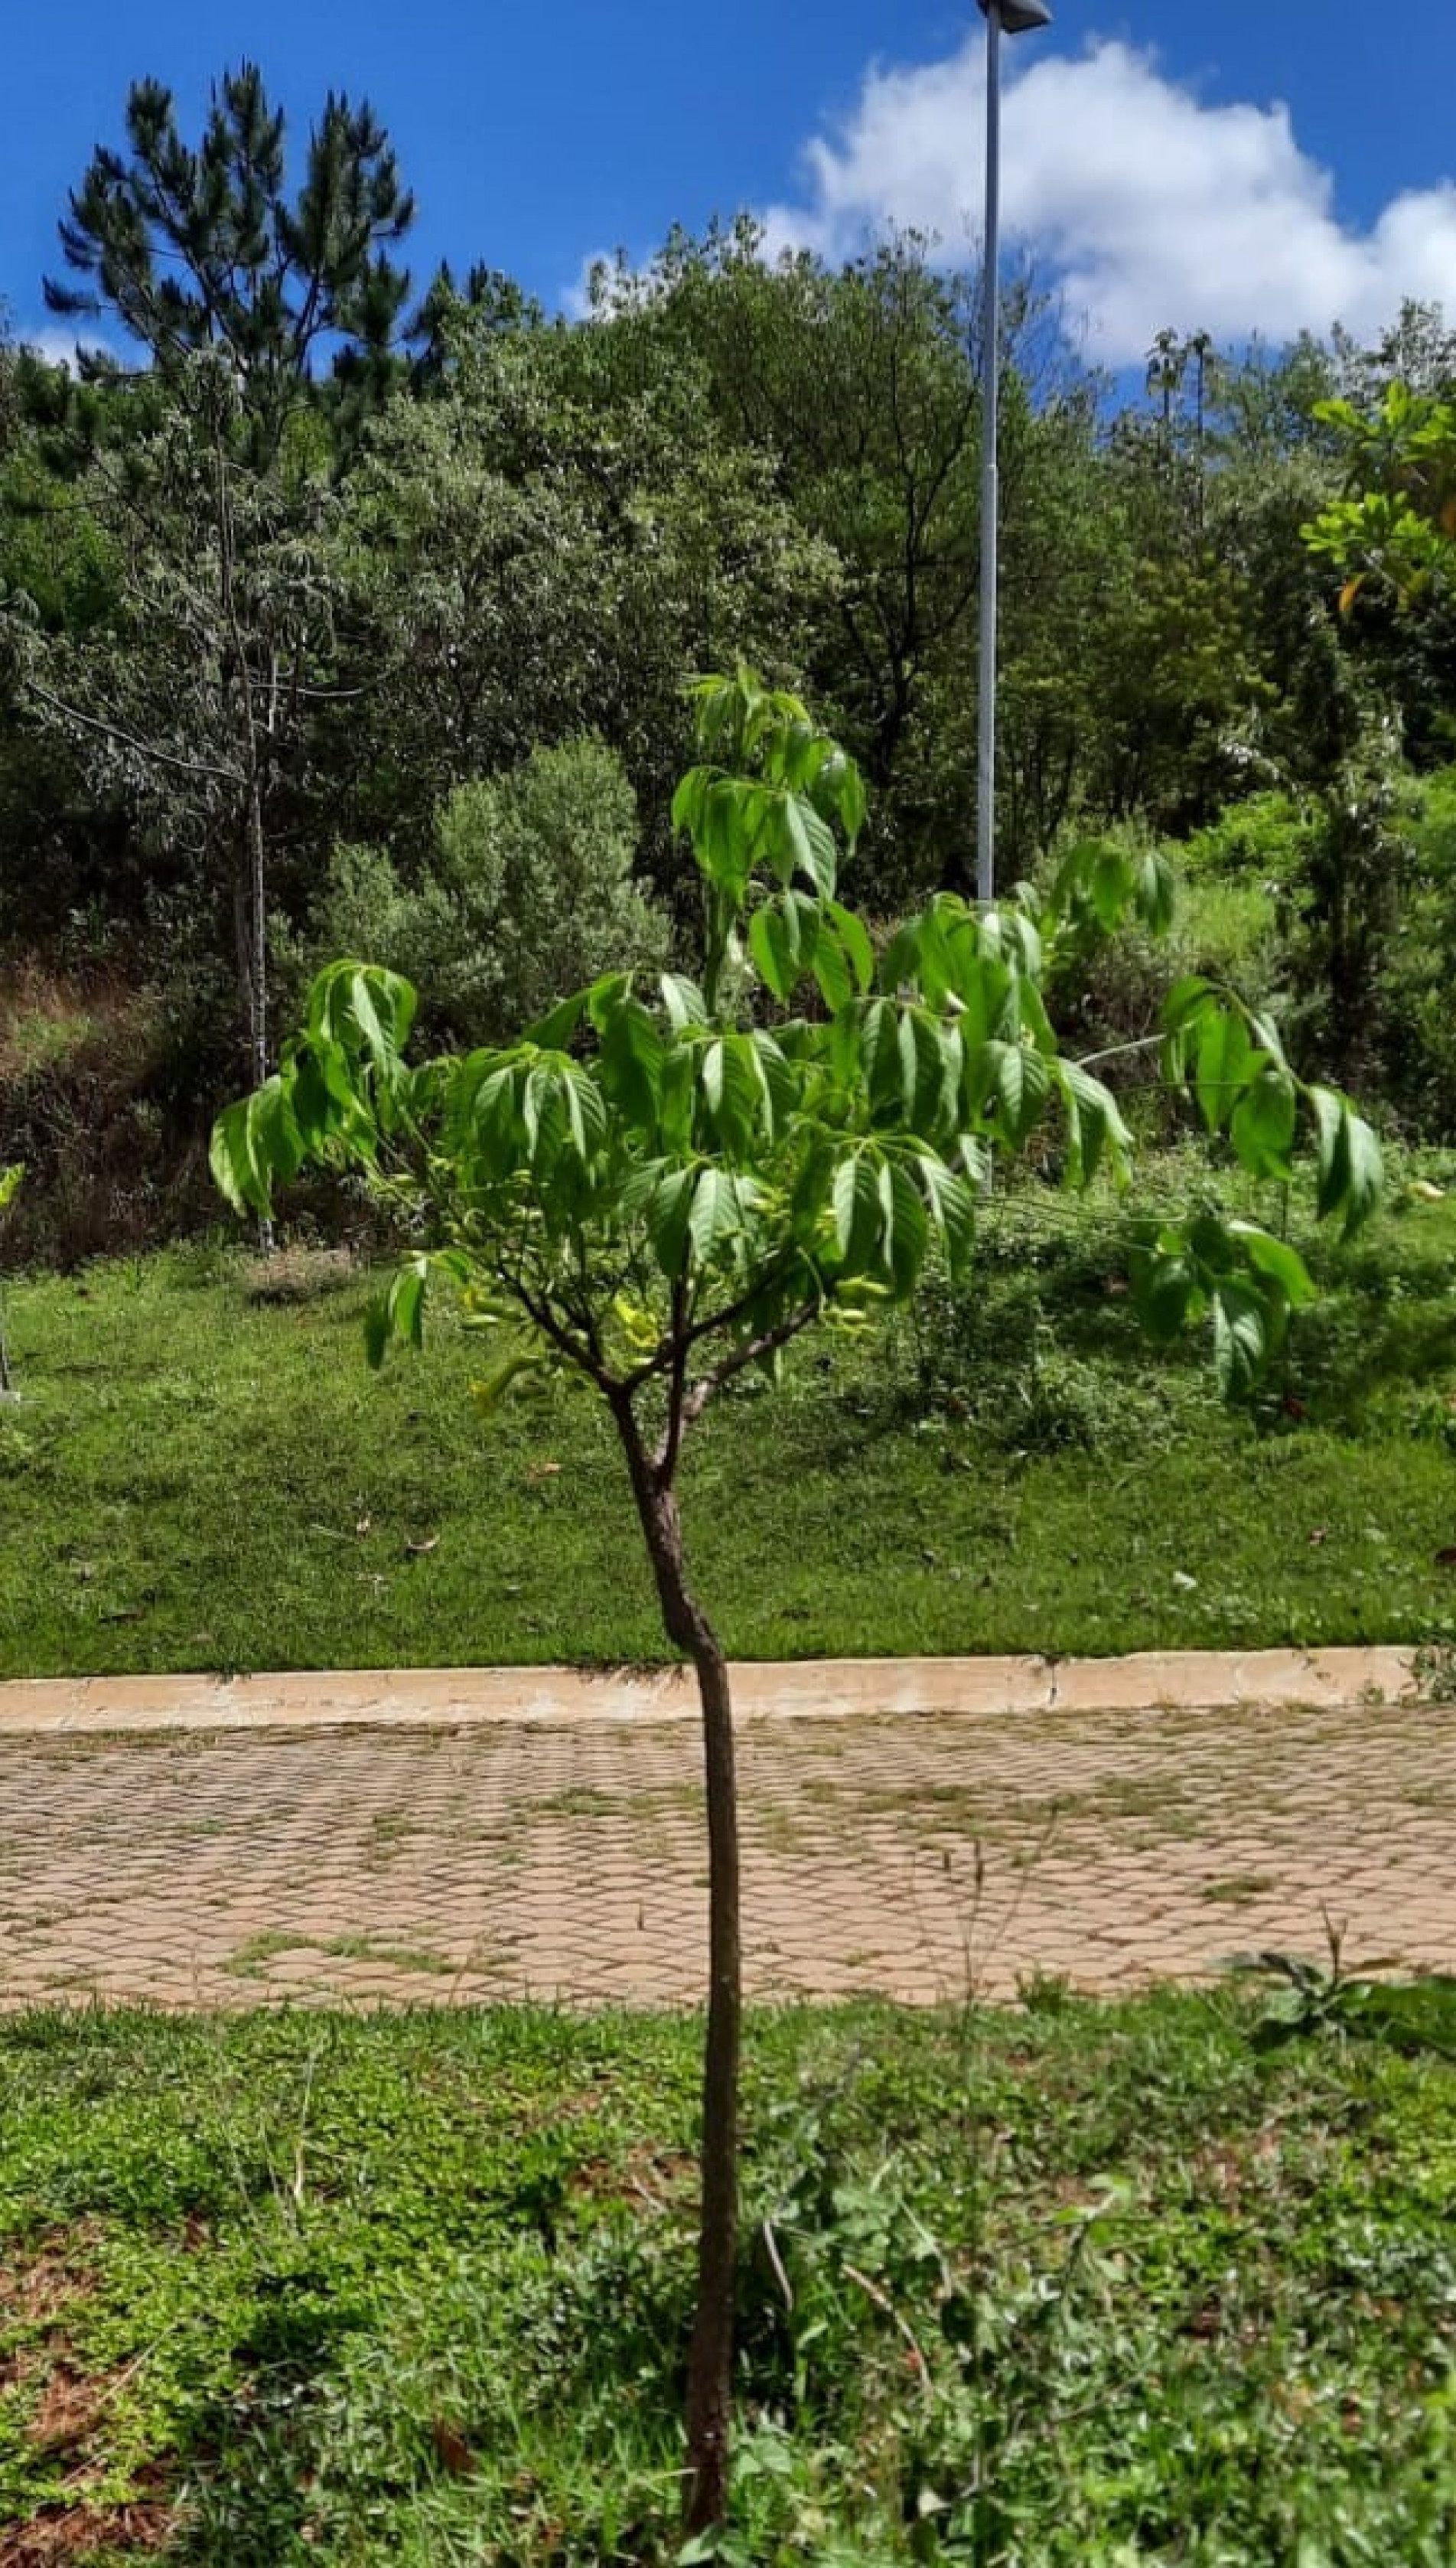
[1152,1682]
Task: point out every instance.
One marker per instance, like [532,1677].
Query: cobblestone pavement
[910,1854]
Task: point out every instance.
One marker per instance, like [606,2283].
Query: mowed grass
[1076,2287]
[195,1478]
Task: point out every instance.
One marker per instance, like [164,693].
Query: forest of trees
[338,614]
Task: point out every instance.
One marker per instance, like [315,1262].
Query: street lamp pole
[1012,18]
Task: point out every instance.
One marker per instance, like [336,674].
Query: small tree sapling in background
[665,1182]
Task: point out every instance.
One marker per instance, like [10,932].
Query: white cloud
[1154,210]
[575,298]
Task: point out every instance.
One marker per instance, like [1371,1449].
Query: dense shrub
[527,891]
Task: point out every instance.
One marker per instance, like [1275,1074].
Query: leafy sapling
[664,1184]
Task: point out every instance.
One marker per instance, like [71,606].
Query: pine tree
[206,249]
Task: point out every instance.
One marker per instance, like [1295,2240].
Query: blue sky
[1147,162]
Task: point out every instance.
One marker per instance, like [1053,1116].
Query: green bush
[527,891]
[1267,838]
[1420,969]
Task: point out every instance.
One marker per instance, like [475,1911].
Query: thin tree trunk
[257,936]
[250,912]
[709,2363]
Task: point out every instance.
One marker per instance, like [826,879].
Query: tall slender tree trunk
[710,2362]
[257,934]
[250,892]
[250,944]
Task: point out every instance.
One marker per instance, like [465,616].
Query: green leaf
[858,1211]
[375,1330]
[952,1207]
[734,1091]
[1094,1122]
[768,944]
[853,937]
[812,842]
[716,1214]
[1019,1082]
[839,788]
[255,1145]
[1241,1336]
[1155,892]
[1225,1062]
[1167,1291]
[1276,1260]
[1262,1129]
[1187,1001]
[553,1032]
[668,1206]
[906,1233]
[1351,1171]
[876,1056]
[931,1061]
[488,1393]
[683,1001]
[632,1057]
[397,1312]
[407,1301]
[832,971]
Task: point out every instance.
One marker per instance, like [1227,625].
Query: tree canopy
[203,247]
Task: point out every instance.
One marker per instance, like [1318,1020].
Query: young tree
[194,694]
[198,249]
[657,1189]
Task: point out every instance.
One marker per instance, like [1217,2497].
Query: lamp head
[1018,17]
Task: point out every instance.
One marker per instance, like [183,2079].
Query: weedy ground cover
[1064,2285]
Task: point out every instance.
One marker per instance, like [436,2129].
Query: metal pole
[990,477]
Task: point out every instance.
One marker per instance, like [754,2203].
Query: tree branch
[661,1357]
[542,1317]
[665,1461]
[128,740]
[751,1352]
[1119,1052]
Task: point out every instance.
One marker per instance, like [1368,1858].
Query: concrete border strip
[808,1689]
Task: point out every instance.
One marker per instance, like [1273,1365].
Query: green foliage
[1267,838]
[725,1182]
[1394,526]
[752,1175]
[528,889]
[1231,1061]
[203,250]
[10,1179]
[1418,966]
[1102,884]
[1309,1999]
[540,550]
[545,525]
[1062,2283]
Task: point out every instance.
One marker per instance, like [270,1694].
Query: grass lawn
[1069,2288]
[198,1479]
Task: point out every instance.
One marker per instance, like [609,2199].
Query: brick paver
[914,1854]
